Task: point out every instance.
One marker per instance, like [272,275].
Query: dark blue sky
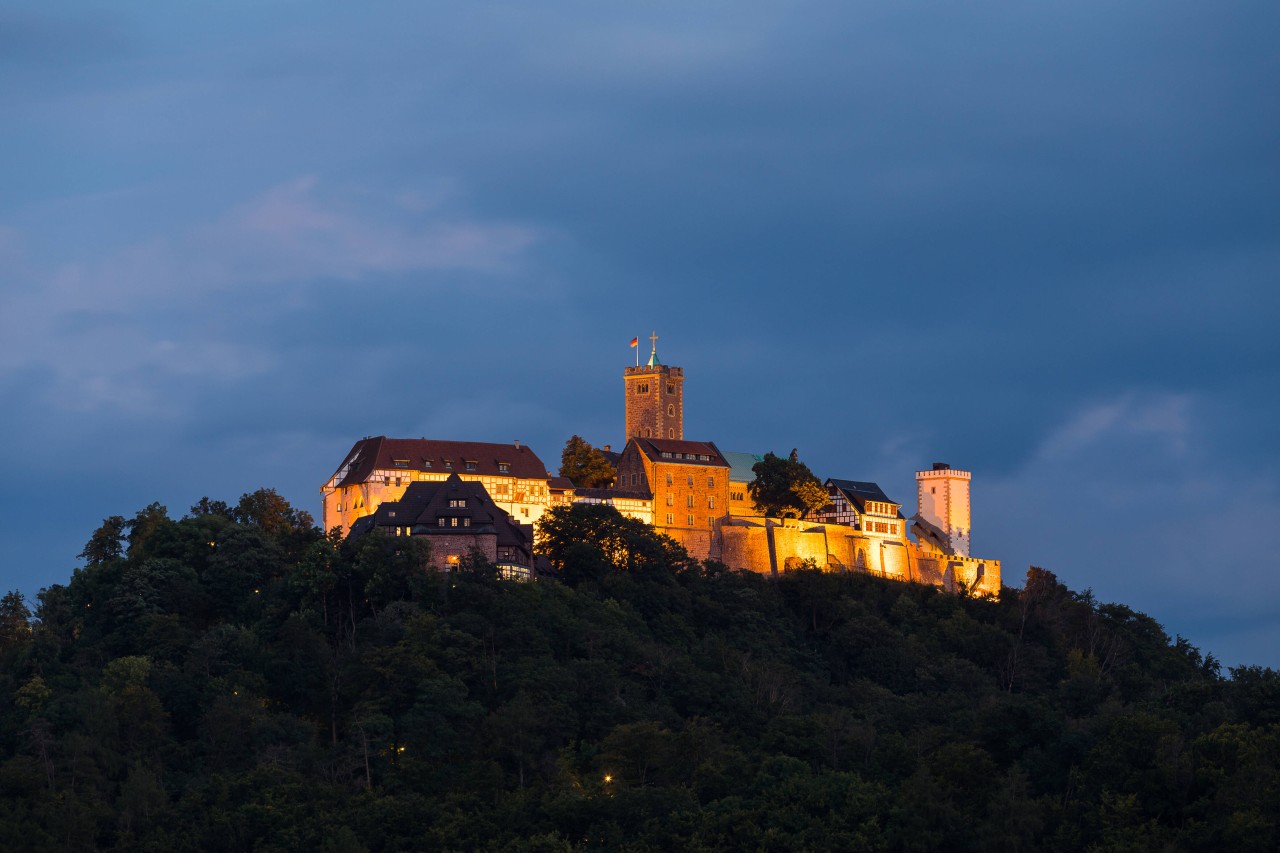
[1037,241]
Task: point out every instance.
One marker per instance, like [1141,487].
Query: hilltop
[237,680]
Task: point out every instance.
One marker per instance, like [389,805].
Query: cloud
[1129,498]
[114,331]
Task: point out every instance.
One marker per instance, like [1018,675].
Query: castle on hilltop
[689,490]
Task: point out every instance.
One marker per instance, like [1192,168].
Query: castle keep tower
[655,398]
[943,495]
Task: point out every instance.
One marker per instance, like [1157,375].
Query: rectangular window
[668,479]
[471,466]
[711,482]
[391,514]
[400,463]
[502,488]
[691,521]
[711,522]
[666,454]
[671,388]
[426,463]
[635,479]
[448,465]
[504,467]
[711,503]
[442,521]
[690,479]
[642,388]
[457,501]
[466,522]
[689,501]
[671,499]
[669,519]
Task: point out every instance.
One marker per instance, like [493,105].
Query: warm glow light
[400,749]
[608,778]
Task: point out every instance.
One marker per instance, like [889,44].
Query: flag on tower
[635,342]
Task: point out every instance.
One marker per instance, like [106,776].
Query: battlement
[646,370]
[943,472]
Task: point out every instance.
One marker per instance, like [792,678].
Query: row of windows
[643,388]
[689,520]
[671,501]
[648,433]
[737,496]
[699,457]
[452,521]
[711,481]
[468,464]
[881,527]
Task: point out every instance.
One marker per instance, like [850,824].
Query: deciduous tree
[585,466]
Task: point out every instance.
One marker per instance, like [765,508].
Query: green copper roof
[653,359]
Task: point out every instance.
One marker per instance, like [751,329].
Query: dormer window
[400,463]
[666,454]
[457,502]
[442,521]
[426,463]
[504,467]
[471,466]
[448,465]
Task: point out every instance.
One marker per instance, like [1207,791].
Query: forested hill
[235,680]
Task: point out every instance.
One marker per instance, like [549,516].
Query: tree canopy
[786,488]
[586,466]
[229,684]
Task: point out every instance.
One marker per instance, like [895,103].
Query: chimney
[517,444]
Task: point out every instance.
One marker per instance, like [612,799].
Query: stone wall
[768,546]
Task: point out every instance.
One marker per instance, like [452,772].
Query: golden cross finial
[653,339]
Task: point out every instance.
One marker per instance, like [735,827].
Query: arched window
[671,433]
[671,411]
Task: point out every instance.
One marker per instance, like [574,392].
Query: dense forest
[238,680]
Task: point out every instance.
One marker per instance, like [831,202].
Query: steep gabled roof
[427,454]
[677,451]
[423,503]
[858,492]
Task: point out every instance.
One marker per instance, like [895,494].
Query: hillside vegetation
[235,680]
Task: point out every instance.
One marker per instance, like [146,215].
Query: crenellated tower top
[654,398]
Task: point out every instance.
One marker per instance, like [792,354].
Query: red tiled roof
[654,448]
[427,454]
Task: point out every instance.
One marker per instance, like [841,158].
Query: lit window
[453,522]
[391,514]
[400,463]
[442,521]
[711,503]
[504,467]
[457,501]
[453,559]
[466,522]
[671,499]
[666,454]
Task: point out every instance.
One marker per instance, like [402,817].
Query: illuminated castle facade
[693,492]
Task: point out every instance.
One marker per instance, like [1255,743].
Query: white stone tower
[943,498]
